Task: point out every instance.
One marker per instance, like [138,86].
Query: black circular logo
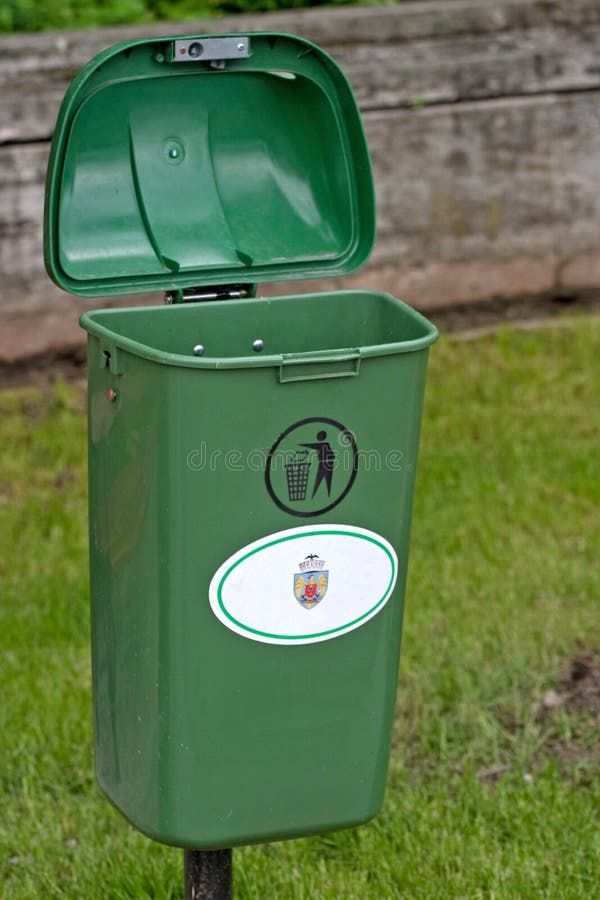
[311,466]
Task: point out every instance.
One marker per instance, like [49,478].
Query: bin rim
[334,354]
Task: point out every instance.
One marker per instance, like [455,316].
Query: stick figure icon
[326,457]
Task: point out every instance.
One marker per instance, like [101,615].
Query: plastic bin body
[203,737]
[240,163]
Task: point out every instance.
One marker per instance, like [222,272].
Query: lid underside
[167,176]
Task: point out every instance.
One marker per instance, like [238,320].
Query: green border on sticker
[304,637]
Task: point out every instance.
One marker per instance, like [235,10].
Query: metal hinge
[218,292]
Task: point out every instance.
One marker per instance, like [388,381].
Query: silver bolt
[173,152]
[258,345]
[241,46]
[198,350]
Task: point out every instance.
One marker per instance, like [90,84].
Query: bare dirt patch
[577,696]
[472,320]
[579,690]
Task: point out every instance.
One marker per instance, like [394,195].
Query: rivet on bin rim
[111,395]
[198,350]
[258,345]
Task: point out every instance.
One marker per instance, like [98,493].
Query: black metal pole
[208,874]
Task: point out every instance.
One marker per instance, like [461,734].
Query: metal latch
[219,292]
[211,50]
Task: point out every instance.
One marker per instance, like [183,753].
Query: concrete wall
[483,118]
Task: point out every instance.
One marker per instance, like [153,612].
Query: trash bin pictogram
[297,472]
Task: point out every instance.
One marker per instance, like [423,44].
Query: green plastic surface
[169,175]
[204,738]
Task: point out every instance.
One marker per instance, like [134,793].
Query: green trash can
[251,461]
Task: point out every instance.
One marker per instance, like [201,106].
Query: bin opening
[229,329]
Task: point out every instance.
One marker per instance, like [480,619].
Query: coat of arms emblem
[310,583]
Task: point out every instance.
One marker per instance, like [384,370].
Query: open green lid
[186,162]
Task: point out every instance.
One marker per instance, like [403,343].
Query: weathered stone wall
[483,118]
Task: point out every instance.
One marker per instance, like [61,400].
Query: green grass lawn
[493,789]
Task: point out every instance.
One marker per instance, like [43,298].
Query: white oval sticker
[305,584]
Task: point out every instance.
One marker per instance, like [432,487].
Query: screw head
[111,395]
[258,345]
[198,350]
[241,46]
